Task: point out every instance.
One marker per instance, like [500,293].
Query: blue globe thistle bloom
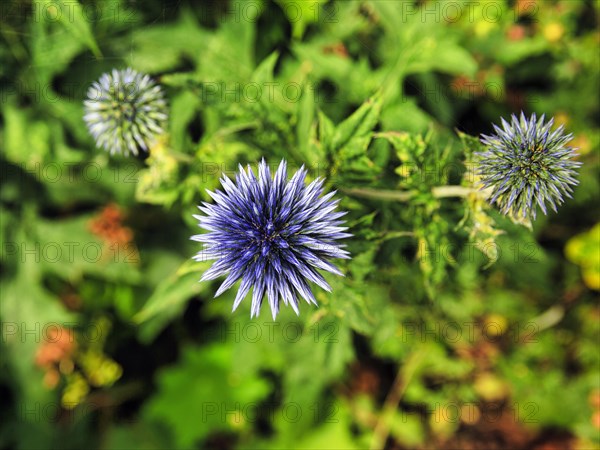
[273,235]
[125,111]
[527,165]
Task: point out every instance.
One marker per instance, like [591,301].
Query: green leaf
[159,48]
[442,56]
[354,80]
[326,130]
[183,110]
[206,392]
[406,116]
[305,128]
[407,429]
[359,304]
[228,54]
[336,428]
[264,72]
[511,53]
[53,45]
[26,141]
[170,294]
[421,44]
[326,344]
[351,139]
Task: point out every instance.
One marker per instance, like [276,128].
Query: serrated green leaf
[359,125]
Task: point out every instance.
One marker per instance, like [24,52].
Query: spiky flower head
[527,165]
[273,235]
[125,111]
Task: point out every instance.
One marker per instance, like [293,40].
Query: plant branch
[403,378]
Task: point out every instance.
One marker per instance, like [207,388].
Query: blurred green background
[453,328]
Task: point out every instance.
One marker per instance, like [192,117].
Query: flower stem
[403,196]
[452,191]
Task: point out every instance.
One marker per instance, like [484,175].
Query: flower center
[267,238]
[124,111]
[529,163]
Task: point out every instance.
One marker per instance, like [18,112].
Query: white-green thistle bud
[125,111]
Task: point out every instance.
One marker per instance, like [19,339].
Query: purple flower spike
[273,235]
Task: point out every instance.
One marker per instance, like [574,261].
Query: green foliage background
[453,326]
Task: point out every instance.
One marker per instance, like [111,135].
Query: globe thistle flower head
[527,165]
[273,235]
[125,111]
